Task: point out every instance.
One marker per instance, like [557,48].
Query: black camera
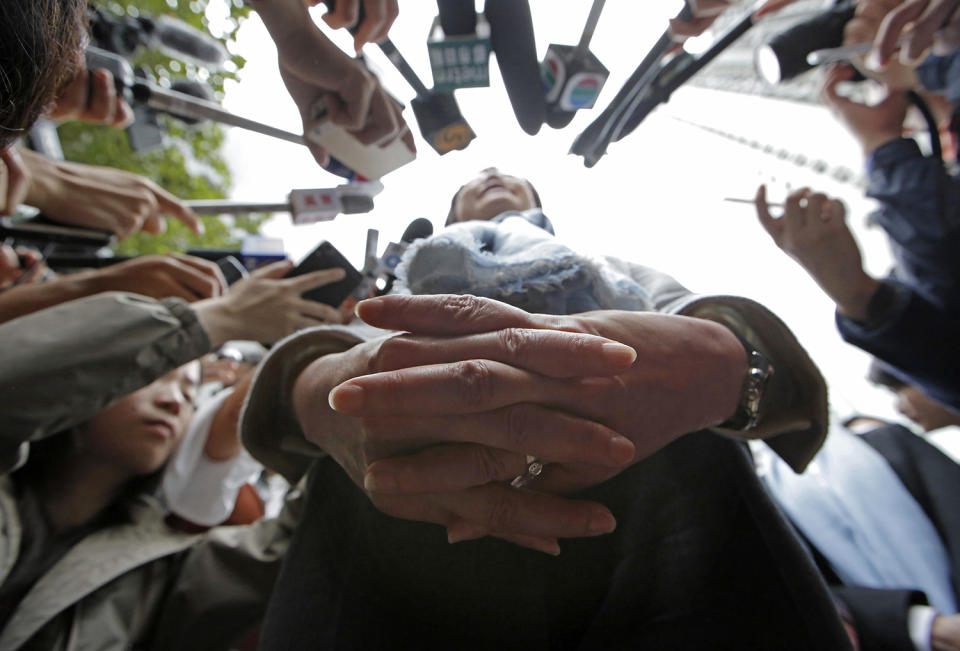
[785,55]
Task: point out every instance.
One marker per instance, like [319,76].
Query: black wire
[936,150]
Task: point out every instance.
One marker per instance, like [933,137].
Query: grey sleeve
[62,365]
[268,426]
[794,415]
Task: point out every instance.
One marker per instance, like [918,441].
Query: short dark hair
[451,217]
[40,44]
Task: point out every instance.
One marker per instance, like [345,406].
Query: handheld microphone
[511,38]
[457,17]
[419,228]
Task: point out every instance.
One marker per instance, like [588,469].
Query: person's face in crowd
[492,193]
[928,414]
[139,432]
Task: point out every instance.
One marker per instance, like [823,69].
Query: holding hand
[103,198]
[162,276]
[923,24]
[316,72]
[813,231]
[266,307]
[506,385]
[378,18]
[92,97]
[872,126]
[863,28]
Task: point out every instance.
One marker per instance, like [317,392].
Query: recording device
[125,35]
[608,126]
[441,123]
[326,256]
[189,101]
[786,55]
[459,47]
[573,76]
[417,229]
[304,206]
[511,38]
[40,232]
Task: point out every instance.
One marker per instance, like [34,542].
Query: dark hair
[40,43]
[452,218]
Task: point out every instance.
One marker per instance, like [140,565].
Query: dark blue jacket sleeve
[917,339]
[941,74]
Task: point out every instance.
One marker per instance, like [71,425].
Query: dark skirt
[701,559]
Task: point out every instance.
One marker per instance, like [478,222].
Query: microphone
[457,17]
[511,38]
[182,40]
[418,229]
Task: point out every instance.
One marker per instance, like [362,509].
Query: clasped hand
[434,424]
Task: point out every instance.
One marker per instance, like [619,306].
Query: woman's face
[492,193]
[140,431]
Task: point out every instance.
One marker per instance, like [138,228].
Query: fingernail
[369,309]
[346,398]
[620,450]
[464,531]
[873,60]
[601,522]
[618,353]
[380,482]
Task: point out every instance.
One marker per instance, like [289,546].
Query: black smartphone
[326,256]
[233,270]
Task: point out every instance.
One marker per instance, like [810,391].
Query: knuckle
[489,464]
[515,341]
[474,381]
[501,512]
[517,425]
[392,350]
[461,309]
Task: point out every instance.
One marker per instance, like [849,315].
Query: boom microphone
[457,17]
[511,38]
[184,41]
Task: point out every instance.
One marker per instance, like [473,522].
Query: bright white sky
[656,198]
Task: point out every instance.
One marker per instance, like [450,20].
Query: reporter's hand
[92,97]
[813,231]
[923,24]
[872,126]
[12,271]
[863,28]
[14,180]
[266,307]
[945,635]
[103,198]
[315,70]
[163,276]
[378,18]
